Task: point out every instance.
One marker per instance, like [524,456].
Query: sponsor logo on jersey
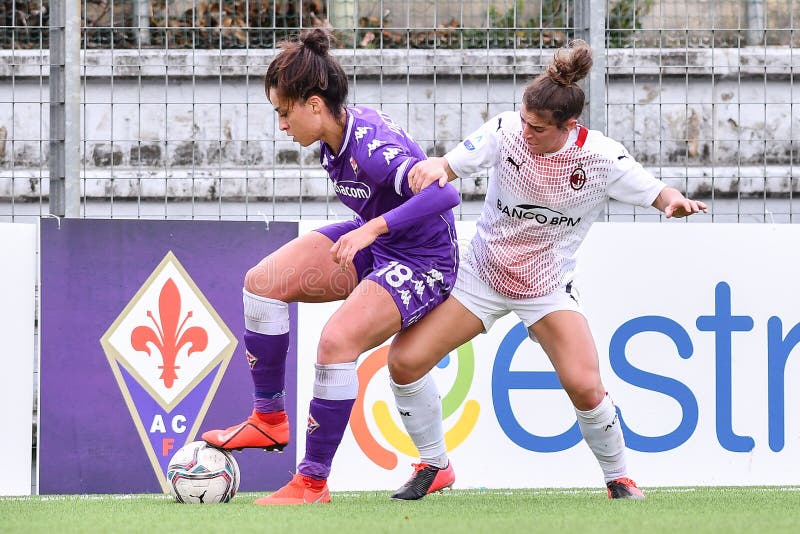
[352,189]
[541,214]
[577,178]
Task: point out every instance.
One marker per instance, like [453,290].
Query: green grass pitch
[559,511]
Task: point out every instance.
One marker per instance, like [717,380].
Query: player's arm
[672,203]
[474,154]
[629,182]
[417,208]
[429,202]
[429,171]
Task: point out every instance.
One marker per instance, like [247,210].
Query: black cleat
[623,488]
[425,479]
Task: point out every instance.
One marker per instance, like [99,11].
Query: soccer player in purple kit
[391,264]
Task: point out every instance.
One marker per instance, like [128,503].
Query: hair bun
[571,64]
[317,40]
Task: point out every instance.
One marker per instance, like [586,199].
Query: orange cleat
[425,479]
[300,490]
[623,488]
[252,434]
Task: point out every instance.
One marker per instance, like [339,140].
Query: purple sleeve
[432,200]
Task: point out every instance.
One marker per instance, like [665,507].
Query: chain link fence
[172,121]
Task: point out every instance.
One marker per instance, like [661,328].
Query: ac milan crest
[577,178]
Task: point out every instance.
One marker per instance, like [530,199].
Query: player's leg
[417,349]
[365,320]
[471,308]
[412,355]
[566,339]
[303,270]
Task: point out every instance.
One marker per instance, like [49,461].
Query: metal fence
[156,109]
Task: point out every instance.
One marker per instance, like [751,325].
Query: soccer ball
[201,474]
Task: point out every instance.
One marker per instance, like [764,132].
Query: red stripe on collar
[582,134]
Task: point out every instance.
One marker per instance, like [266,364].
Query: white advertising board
[697,327]
[17,309]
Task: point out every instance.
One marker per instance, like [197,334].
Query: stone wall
[185,124]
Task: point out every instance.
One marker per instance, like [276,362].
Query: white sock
[336,381]
[420,407]
[602,431]
[264,315]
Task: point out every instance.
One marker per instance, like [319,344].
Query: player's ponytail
[556,90]
[304,67]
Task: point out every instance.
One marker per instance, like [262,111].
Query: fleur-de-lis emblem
[169,336]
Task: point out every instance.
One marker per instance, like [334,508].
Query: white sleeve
[478,151]
[629,182]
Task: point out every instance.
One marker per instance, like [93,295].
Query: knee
[261,280]
[401,370]
[254,281]
[585,396]
[335,347]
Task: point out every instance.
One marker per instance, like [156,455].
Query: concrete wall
[196,124]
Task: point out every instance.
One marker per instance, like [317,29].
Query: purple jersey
[369,175]
[418,262]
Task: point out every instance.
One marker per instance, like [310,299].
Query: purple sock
[327,421]
[267,358]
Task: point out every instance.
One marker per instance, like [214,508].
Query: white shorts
[488,305]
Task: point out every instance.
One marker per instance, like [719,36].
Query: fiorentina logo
[312,424]
[577,178]
[168,350]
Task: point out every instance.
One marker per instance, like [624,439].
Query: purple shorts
[417,284]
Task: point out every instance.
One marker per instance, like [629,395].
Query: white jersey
[539,207]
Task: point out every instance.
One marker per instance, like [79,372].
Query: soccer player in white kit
[549,178]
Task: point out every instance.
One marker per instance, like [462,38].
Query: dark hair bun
[318,40]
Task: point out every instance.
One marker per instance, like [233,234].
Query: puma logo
[613,422]
[514,163]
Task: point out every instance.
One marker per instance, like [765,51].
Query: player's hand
[346,247]
[684,207]
[427,171]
